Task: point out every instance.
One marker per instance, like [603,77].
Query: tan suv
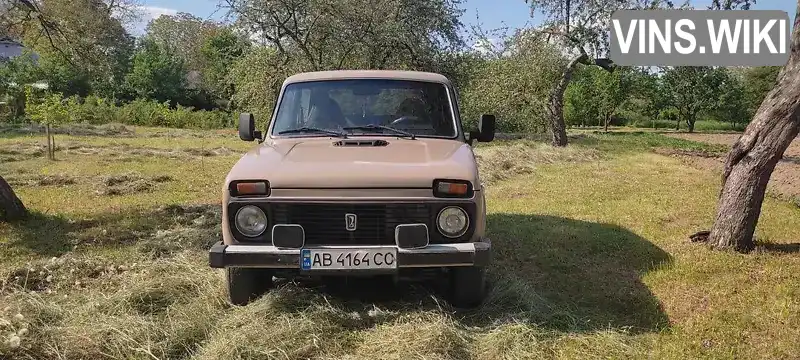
[360,173]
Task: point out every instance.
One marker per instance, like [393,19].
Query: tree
[374,34]
[220,53]
[17,15]
[613,89]
[91,50]
[581,96]
[514,83]
[691,90]
[753,157]
[647,90]
[184,35]
[14,75]
[758,81]
[731,105]
[157,73]
[576,26]
[48,110]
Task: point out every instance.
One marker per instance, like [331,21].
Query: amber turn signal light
[452,188]
[249,188]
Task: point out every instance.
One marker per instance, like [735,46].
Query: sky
[493,13]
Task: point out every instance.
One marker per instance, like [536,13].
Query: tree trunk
[11,208]
[605,123]
[690,125]
[49,144]
[555,108]
[754,155]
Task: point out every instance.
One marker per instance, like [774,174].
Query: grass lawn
[592,260]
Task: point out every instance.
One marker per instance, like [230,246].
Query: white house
[10,49]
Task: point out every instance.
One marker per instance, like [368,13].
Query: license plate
[348,259]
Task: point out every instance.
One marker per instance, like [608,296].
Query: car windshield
[363,106]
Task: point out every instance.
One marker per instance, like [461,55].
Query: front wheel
[246,284]
[467,286]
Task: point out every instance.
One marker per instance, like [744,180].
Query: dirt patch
[784,182]
[129,183]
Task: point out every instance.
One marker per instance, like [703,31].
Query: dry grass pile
[161,310]
[41,180]
[500,162]
[190,227]
[129,183]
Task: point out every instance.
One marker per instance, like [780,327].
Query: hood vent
[377,142]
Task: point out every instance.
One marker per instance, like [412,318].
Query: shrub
[98,111]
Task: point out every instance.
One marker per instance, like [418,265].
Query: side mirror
[247,127]
[486,129]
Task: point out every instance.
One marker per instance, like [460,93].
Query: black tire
[467,286]
[247,284]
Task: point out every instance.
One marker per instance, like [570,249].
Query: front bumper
[268,256]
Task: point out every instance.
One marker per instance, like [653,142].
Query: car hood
[319,163]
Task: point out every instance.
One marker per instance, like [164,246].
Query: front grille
[324,224]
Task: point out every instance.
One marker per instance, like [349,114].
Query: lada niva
[359,173]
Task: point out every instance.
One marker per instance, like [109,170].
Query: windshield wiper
[306,129]
[381,127]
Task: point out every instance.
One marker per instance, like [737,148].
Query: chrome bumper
[268,256]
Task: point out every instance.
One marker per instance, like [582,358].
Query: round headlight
[452,221]
[251,221]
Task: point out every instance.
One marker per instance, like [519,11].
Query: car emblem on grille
[350,222]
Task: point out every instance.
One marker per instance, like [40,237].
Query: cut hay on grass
[129,183]
[500,162]
[24,150]
[106,130]
[41,180]
[590,261]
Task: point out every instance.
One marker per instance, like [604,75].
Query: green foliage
[157,73]
[49,109]
[514,87]
[692,90]
[731,104]
[758,81]
[257,77]
[183,35]
[327,35]
[91,50]
[594,95]
[53,109]
[14,75]
[220,52]
[580,99]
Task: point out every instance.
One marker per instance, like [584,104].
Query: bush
[98,111]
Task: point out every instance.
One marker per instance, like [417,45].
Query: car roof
[367,74]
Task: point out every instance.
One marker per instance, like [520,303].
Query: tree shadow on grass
[559,273]
[790,248]
[156,231]
[573,275]
[43,234]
